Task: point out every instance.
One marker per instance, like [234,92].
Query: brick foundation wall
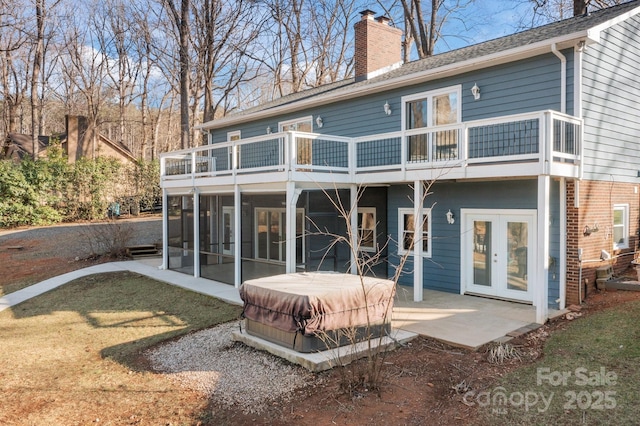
[596,201]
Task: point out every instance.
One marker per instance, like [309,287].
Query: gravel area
[230,373]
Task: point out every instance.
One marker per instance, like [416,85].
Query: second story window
[303,145]
[424,113]
[234,163]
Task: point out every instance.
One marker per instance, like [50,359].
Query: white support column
[165,230]
[353,200]
[541,292]
[562,223]
[418,193]
[290,226]
[237,237]
[196,233]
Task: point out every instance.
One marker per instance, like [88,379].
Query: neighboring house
[532,140]
[76,143]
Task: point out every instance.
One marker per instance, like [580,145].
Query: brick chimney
[378,46]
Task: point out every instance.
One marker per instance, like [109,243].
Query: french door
[498,253]
[271,237]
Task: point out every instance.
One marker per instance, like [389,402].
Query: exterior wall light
[387,108]
[268,130]
[475,91]
[450,218]
[319,122]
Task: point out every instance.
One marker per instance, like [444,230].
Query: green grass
[598,355]
[72,355]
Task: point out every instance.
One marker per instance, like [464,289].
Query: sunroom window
[430,123]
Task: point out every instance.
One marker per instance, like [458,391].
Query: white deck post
[196,232]
[353,192]
[237,237]
[541,293]
[165,230]
[418,193]
[290,227]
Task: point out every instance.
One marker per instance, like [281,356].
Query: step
[142,250]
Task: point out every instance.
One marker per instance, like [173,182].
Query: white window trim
[298,240]
[625,226]
[409,210]
[282,124]
[234,160]
[429,96]
[365,210]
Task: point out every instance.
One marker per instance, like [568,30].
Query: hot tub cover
[311,302]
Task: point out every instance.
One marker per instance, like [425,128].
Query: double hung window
[430,122]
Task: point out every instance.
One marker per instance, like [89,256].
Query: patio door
[498,253]
[271,236]
[228,226]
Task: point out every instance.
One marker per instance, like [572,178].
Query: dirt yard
[423,382]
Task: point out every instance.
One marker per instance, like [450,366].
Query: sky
[488,19]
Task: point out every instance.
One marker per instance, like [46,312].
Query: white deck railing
[545,136]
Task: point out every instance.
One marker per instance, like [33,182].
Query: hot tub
[313,311]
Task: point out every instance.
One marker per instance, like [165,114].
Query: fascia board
[594,32]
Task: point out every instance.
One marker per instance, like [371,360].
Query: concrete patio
[464,321]
[461,320]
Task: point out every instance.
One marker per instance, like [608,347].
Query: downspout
[577,112]
[563,78]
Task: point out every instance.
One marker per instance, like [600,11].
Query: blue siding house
[507,169]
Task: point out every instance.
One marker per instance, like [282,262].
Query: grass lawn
[589,375]
[71,356]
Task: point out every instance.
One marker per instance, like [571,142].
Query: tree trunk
[184,75]
[579,7]
[38,59]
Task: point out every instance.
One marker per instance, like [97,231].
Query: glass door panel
[228,225]
[482,253]
[262,238]
[517,273]
[274,236]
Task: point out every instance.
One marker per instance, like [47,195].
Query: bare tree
[332,40]
[38,76]
[545,11]
[85,69]
[425,22]
[224,33]
[116,45]
[180,19]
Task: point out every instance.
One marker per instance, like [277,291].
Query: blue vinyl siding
[528,85]
[442,270]
[610,104]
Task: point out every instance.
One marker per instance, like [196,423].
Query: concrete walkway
[464,321]
[148,267]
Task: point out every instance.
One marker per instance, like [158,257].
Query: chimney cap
[383,19]
[367,14]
